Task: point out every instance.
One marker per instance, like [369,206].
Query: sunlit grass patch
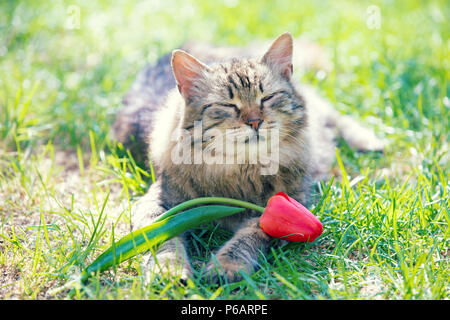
[66,191]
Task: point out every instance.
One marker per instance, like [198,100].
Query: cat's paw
[226,269]
[372,145]
[359,137]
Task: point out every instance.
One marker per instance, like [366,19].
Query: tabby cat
[230,93]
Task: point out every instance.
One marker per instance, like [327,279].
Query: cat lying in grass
[194,102]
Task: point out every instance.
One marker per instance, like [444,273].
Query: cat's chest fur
[243,182]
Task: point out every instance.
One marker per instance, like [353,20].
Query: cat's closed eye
[270,98]
[230,105]
[266,99]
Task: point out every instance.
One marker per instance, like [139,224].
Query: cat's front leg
[241,252]
[171,257]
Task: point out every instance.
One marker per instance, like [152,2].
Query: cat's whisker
[286,133]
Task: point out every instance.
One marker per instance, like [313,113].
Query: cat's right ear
[279,55]
[187,71]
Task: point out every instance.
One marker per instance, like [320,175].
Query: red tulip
[286,218]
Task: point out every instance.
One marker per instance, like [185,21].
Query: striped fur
[228,94]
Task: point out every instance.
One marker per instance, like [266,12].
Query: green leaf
[145,238]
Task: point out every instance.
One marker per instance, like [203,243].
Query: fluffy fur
[243,95]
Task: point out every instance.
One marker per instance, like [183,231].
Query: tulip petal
[288,219]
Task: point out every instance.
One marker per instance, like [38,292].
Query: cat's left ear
[279,55]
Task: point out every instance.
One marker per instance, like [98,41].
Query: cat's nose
[255,123]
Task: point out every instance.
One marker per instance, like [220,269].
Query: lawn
[66,190]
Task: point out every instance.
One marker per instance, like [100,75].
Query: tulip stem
[205,200]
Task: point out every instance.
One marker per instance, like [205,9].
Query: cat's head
[242,98]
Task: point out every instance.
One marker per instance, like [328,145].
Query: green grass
[66,190]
